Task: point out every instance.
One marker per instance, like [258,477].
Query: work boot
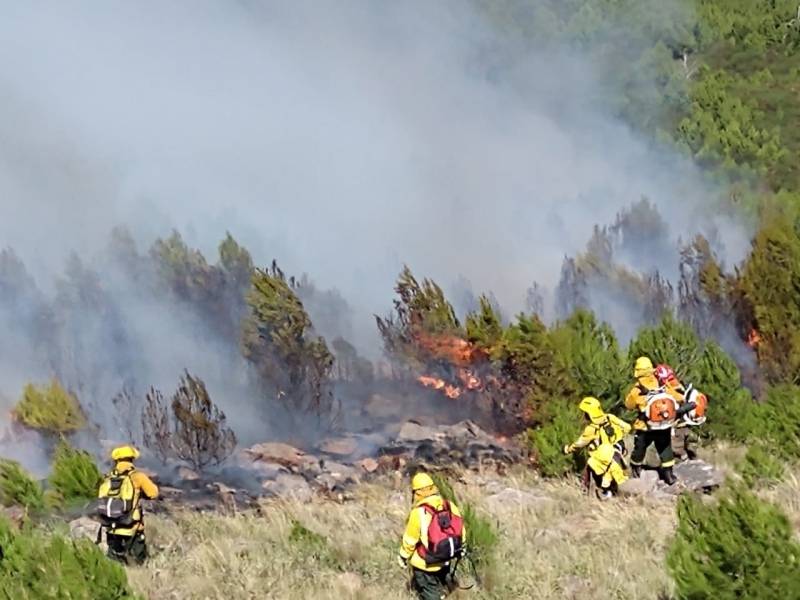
[667,476]
[636,471]
[604,494]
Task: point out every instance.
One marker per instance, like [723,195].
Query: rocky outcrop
[463,444]
[280,471]
[692,475]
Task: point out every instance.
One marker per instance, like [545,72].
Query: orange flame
[753,338]
[453,349]
[450,391]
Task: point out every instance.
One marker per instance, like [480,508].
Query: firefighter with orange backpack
[691,413]
[434,538]
[657,408]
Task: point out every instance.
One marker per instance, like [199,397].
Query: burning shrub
[36,566]
[740,547]
[768,285]
[74,478]
[50,409]
[193,431]
[18,488]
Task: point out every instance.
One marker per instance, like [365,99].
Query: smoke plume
[343,139]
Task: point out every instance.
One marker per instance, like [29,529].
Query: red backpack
[445,535]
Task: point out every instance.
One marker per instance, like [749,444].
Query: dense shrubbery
[37,566]
[74,478]
[738,547]
[50,409]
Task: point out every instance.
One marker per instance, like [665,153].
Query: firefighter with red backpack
[691,413]
[434,537]
[657,408]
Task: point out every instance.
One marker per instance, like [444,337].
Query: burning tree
[425,336]
[192,429]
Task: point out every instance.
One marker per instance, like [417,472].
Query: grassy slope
[546,550]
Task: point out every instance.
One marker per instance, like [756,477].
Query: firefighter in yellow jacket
[603,438]
[657,409]
[433,525]
[125,529]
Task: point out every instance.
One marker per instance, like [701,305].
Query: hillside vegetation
[716,81]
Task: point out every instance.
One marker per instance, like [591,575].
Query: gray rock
[83,527]
[695,475]
[413,432]
[640,486]
[290,486]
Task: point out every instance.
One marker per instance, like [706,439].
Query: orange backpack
[697,415]
[660,410]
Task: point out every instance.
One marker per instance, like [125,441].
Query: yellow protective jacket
[417,531]
[606,462]
[143,488]
[637,397]
[595,432]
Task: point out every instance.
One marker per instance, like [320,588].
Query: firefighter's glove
[568,449]
[403,562]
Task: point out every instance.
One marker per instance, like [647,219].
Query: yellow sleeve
[672,391]
[145,484]
[412,534]
[588,435]
[633,399]
[623,425]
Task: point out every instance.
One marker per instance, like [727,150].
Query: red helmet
[664,373]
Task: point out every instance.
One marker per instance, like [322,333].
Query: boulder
[278,453]
[464,444]
[187,474]
[288,485]
[645,484]
[695,475]
[83,528]
[343,446]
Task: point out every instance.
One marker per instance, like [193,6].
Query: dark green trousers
[429,585]
[127,549]
[661,439]
[682,443]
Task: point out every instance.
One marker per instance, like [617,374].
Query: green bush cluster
[50,409]
[737,547]
[39,566]
[73,481]
[482,536]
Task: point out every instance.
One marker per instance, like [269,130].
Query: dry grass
[567,547]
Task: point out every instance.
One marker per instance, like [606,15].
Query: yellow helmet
[420,481]
[643,366]
[591,406]
[123,453]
